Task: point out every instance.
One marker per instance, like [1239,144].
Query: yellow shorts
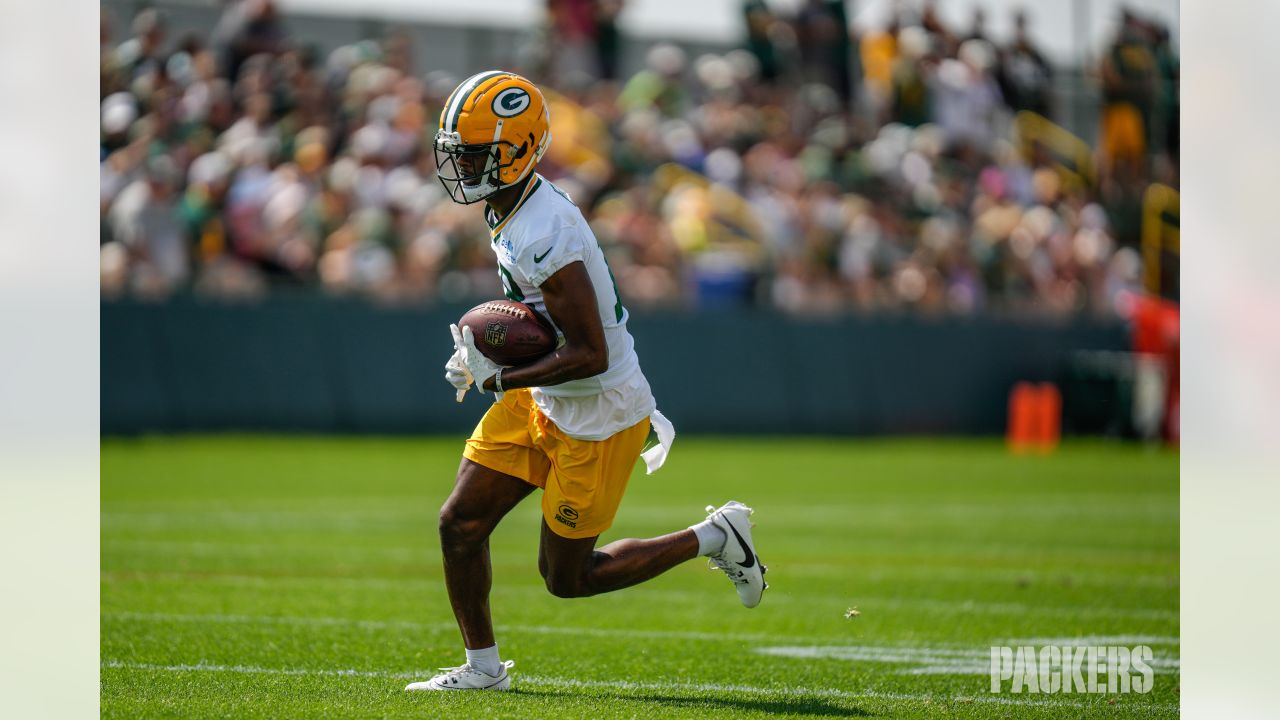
[582,480]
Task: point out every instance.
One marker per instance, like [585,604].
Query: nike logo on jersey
[543,256]
[750,559]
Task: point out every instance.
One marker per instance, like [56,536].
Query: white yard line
[837,602]
[904,654]
[1161,667]
[190,579]
[272,520]
[250,669]
[1096,640]
[961,574]
[178,548]
[572,683]
[927,660]
[439,627]
[805,569]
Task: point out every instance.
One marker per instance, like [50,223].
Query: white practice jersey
[544,232]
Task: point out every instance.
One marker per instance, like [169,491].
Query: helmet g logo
[510,102]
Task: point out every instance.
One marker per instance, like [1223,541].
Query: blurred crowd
[814,169]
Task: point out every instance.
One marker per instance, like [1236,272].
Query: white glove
[474,363]
[455,373]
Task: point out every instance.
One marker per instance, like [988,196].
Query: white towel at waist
[655,456]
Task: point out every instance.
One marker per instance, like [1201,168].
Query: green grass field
[275,577]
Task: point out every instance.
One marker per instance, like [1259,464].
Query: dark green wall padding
[319,364]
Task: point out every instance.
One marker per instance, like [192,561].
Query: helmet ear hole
[520,151]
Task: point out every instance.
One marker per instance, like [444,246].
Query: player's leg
[499,469]
[584,488]
[480,498]
[573,567]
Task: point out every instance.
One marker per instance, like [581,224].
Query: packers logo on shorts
[567,515]
[495,333]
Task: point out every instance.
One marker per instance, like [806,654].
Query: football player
[572,423]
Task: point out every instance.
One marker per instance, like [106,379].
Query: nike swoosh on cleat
[746,549]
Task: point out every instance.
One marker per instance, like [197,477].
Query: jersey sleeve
[542,258]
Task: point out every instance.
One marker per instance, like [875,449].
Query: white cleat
[738,557]
[466,678]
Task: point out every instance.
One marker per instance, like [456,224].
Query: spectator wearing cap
[144,221]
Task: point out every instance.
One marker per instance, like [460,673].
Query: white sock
[711,539]
[485,660]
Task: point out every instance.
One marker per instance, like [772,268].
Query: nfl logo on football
[495,334]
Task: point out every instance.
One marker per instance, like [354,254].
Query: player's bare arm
[571,302]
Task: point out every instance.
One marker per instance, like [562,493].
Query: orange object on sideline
[1035,418]
[1048,417]
[1018,434]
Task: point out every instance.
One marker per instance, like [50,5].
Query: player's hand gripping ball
[493,334]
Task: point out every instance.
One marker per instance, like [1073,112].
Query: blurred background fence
[311,363]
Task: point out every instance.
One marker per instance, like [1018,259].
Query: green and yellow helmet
[494,129]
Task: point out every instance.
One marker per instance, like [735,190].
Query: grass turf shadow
[797,706]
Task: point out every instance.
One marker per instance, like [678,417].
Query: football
[509,332]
